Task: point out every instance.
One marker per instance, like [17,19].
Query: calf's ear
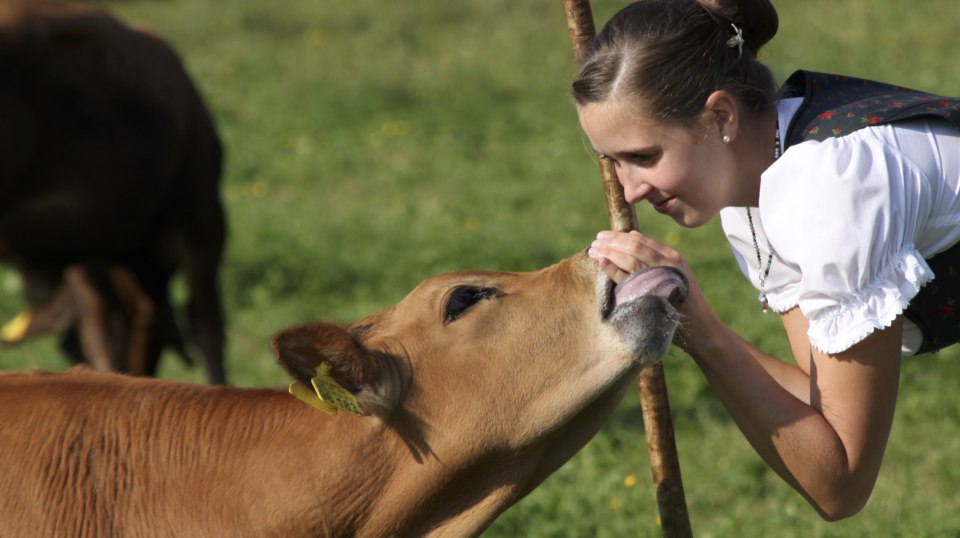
[302,348]
[369,375]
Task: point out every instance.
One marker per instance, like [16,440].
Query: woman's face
[684,172]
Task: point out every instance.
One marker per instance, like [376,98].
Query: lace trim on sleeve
[835,329]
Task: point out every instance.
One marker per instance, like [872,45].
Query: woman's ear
[723,114]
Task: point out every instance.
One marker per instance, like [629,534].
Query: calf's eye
[462,298]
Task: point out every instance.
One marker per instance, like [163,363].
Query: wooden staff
[664,462]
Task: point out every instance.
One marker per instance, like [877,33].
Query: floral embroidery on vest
[844,104]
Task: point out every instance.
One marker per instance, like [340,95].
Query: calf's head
[511,357]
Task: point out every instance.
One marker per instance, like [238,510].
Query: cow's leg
[148,286]
[200,263]
[90,318]
[205,315]
[202,245]
[139,310]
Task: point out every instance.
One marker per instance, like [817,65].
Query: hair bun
[757,18]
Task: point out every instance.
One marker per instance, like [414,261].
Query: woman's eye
[462,298]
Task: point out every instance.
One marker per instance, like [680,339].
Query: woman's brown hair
[670,55]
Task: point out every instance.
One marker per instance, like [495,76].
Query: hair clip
[736,40]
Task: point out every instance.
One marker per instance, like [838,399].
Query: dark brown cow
[109,183]
[471,391]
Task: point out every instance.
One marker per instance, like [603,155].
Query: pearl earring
[726,139]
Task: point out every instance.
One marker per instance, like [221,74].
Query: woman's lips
[665,205]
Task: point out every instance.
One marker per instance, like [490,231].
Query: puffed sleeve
[844,211]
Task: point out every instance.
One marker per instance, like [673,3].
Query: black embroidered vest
[834,106]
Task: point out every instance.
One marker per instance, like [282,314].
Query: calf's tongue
[665,282]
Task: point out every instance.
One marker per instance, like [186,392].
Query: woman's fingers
[632,251]
[618,256]
[616,264]
[611,270]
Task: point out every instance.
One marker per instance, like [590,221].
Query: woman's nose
[634,188]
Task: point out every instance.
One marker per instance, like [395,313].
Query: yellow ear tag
[332,393]
[15,329]
[309,397]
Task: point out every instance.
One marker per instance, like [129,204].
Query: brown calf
[473,389]
[109,183]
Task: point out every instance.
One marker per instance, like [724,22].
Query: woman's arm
[824,429]
[822,425]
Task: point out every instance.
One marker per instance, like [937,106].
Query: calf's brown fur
[474,388]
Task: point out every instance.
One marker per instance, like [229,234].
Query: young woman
[839,197]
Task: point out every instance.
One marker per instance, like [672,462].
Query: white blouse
[850,221]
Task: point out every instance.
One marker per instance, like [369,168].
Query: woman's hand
[622,253]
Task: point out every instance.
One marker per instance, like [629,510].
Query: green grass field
[374,143]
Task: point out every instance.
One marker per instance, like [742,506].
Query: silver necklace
[764,271]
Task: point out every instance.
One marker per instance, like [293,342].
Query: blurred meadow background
[371,144]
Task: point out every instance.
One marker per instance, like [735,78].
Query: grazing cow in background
[470,392]
[110,167]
